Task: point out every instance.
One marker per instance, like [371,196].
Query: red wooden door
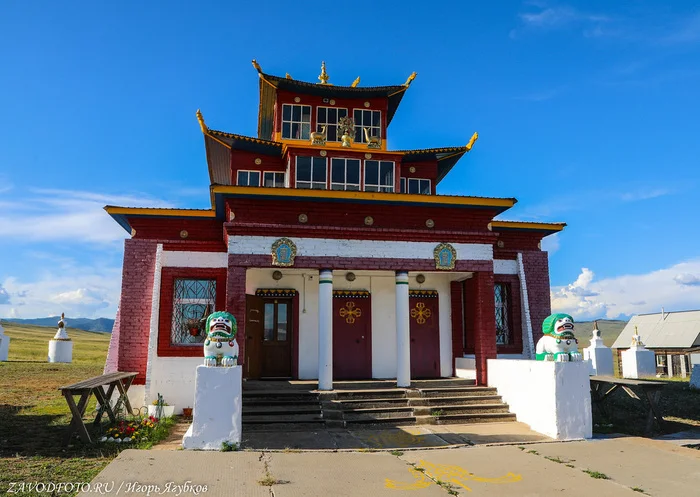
[352,335]
[425,334]
[254,334]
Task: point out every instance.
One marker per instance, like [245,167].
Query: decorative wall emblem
[368,156]
[297,99]
[445,256]
[332,102]
[369,220]
[323,153]
[350,313]
[412,169]
[429,223]
[420,313]
[283,252]
[303,218]
[367,104]
[500,244]
[184,234]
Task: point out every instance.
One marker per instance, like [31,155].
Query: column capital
[325,276]
[402,277]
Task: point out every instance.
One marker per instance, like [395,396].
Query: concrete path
[653,467]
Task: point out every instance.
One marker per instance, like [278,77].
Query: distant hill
[609,331]
[101,325]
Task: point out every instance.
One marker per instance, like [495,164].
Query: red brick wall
[456,300]
[235,302]
[485,332]
[135,306]
[536,265]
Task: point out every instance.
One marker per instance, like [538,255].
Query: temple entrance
[425,334]
[352,335]
[268,337]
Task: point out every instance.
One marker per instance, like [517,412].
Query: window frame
[311,181]
[379,177]
[319,124]
[248,171]
[291,122]
[419,180]
[345,183]
[165,312]
[359,128]
[514,314]
[284,179]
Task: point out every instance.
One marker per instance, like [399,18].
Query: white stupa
[4,344]
[600,356]
[61,346]
[638,361]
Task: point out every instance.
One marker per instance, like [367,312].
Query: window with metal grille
[329,117]
[371,119]
[193,301]
[296,121]
[503,326]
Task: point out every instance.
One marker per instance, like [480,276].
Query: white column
[669,365]
[325,330]
[403,334]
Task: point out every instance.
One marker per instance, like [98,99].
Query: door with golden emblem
[352,335]
[425,334]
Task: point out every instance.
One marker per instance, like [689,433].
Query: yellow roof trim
[136,211]
[528,226]
[438,200]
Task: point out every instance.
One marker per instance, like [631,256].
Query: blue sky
[586,112]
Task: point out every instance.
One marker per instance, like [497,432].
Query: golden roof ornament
[288,76]
[356,82]
[257,66]
[200,119]
[411,78]
[472,140]
[323,78]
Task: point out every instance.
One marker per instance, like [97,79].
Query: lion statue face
[559,326]
[221,324]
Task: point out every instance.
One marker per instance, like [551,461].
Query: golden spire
[323,78]
[288,76]
[356,82]
[200,118]
[257,66]
[473,139]
[410,78]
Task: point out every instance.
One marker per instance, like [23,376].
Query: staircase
[373,404]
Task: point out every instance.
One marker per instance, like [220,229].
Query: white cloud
[559,17]
[675,288]
[4,296]
[645,194]
[65,215]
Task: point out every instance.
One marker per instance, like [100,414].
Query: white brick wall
[376,249]
[501,266]
[194,259]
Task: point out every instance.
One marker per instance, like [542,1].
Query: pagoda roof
[446,157]
[269,84]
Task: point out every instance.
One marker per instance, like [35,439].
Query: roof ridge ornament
[355,83]
[257,66]
[472,140]
[323,77]
[288,76]
[410,79]
[200,119]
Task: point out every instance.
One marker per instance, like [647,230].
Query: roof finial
[473,139]
[288,76]
[323,78]
[61,323]
[257,66]
[411,78]
[200,118]
[356,82]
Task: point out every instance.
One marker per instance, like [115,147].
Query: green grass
[34,415]
[396,453]
[609,331]
[637,489]
[556,459]
[596,474]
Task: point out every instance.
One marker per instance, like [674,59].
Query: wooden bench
[103,388]
[603,386]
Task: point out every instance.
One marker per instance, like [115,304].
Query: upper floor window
[345,174]
[248,178]
[503,328]
[379,176]
[311,172]
[416,185]
[371,119]
[273,179]
[329,117]
[296,121]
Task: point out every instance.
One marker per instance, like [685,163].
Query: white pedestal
[4,347]
[60,351]
[638,362]
[695,377]
[217,408]
[601,360]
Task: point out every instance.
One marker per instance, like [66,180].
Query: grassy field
[33,414]
[609,331]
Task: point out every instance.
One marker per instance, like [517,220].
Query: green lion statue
[220,347]
[558,343]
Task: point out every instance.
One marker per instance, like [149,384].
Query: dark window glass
[296,113]
[254,178]
[286,112]
[337,170]
[269,329]
[281,322]
[372,172]
[303,168]
[319,170]
[353,171]
[321,115]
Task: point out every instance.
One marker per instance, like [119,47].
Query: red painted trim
[295,338]
[456,299]
[165,313]
[194,247]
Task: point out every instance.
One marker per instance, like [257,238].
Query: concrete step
[273,402]
[392,393]
[448,410]
[484,417]
[457,391]
[378,412]
[442,383]
[385,421]
[283,427]
[281,418]
[279,394]
[462,400]
[366,403]
[282,409]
